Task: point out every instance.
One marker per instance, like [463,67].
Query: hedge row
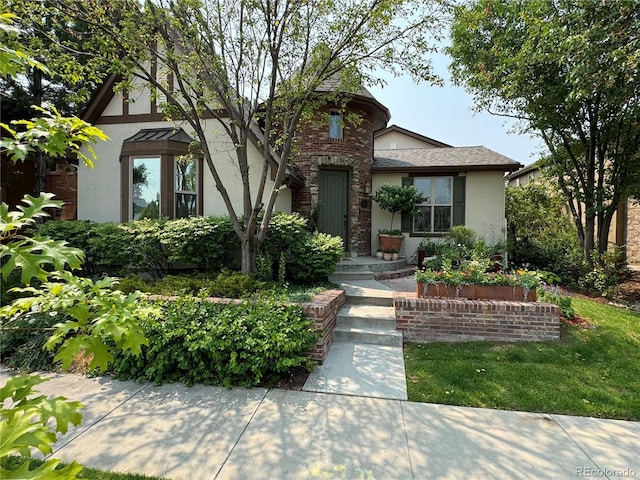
[155,247]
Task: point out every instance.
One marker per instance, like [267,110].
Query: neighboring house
[625,225]
[19,179]
[140,172]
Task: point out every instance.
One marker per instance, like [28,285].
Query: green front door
[333,202]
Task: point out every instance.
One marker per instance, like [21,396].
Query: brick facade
[353,153]
[437,320]
[323,310]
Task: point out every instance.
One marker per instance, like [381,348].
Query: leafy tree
[568,70]
[68,83]
[249,63]
[99,318]
[539,233]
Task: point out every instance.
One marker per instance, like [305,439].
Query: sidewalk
[213,433]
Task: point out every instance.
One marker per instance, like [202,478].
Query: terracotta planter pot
[442,290]
[390,241]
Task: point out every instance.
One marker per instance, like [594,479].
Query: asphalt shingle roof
[455,158]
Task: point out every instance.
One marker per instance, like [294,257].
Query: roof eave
[447,168]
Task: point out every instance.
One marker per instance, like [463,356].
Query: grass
[12,463]
[589,372]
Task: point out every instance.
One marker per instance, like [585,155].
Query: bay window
[160,177]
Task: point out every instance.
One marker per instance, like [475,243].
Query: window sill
[428,235]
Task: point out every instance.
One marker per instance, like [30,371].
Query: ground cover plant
[591,371]
[254,342]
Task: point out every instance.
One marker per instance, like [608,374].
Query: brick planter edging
[455,320]
[323,310]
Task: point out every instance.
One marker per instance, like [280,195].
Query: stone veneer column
[354,153]
[632,233]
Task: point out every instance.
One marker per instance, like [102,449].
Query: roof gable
[409,133]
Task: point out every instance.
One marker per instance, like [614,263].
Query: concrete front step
[369,264]
[368,292]
[374,336]
[343,276]
[368,316]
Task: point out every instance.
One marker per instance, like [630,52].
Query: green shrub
[605,275]
[553,295]
[112,249]
[201,342]
[290,251]
[540,235]
[150,255]
[207,242]
[22,341]
[316,258]
[226,284]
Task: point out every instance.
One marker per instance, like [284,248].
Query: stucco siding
[401,141]
[484,206]
[99,188]
[484,210]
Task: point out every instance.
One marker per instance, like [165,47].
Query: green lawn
[589,372]
[12,463]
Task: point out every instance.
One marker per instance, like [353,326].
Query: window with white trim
[436,212]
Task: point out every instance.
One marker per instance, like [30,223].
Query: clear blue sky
[445,114]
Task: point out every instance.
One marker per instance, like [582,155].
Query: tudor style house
[142,172]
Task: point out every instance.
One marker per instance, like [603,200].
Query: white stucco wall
[99,188]
[386,141]
[484,210]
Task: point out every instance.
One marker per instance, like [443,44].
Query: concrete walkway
[362,369]
[213,433]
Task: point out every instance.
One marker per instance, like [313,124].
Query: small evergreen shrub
[201,342]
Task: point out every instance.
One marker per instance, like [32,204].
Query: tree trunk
[588,244]
[249,251]
[41,160]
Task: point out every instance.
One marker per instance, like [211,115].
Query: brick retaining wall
[323,310]
[438,320]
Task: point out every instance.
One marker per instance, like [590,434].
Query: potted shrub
[395,199]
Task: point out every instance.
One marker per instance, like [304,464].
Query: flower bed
[476,292]
[476,284]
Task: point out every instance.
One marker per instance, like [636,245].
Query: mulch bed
[294,380]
